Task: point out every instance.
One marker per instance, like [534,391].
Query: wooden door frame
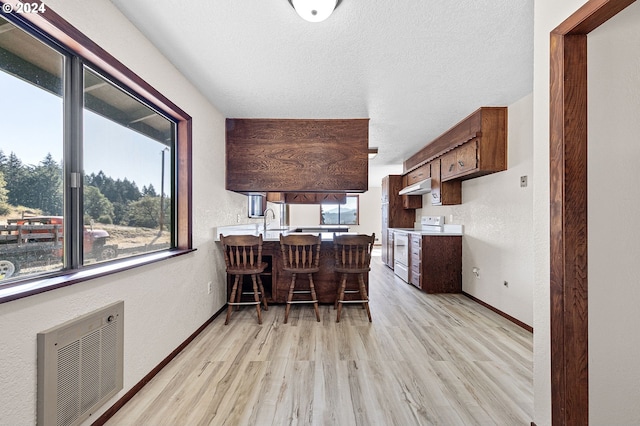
[568,204]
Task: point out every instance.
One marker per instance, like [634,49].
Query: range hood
[417,188]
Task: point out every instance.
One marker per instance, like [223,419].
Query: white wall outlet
[523,181]
[238,218]
[209,287]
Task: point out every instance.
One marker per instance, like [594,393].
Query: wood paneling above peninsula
[277,155]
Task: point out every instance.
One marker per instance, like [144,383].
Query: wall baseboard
[146,379]
[499,312]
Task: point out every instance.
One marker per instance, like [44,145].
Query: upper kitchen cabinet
[271,155]
[474,147]
[443,193]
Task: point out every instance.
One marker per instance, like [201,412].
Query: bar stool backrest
[242,252]
[300,252]
[353,252]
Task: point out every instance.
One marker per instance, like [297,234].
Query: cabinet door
[442,264]
[460,162]
[444,193]
[421,173]
[411,201]
[449,165]
[435,182]
[415,259]
[467,158]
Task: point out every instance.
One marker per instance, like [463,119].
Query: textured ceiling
[414,67]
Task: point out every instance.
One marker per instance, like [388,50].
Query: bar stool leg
[234,289]
[312,287]
[343,284]
[256,297]
[239,293]
[363,295]
[264,297]
[290,297]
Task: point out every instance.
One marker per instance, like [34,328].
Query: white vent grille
[80,366]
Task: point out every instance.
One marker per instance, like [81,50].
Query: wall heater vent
[80,366]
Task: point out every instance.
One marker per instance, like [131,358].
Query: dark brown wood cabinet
[270,155]
[325,280]
[411,201]
[487,124]
[394,215]
[443,193]
[421,173]
[474,147]
[435,263]
[460,162]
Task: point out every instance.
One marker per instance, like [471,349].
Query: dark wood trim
[146,379]
[499,312]
[568,204]
[52,27]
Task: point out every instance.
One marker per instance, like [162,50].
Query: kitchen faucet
[264,217]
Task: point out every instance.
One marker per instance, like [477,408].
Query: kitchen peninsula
[275,281]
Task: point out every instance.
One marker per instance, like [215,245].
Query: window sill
[39,285]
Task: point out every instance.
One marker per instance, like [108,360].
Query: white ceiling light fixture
[314,10]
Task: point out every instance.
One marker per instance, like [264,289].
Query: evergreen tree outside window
[87,168]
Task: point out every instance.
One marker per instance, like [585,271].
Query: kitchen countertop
[273,234]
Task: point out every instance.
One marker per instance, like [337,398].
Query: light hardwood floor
[424,360]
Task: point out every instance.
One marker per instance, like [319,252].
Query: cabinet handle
[451,166]
[461,163]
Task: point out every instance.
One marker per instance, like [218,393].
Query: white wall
[370,214]
[498,224]
[164,302]
[614,228]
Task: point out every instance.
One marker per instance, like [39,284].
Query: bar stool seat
[353,257]
[301,255]
[243,256]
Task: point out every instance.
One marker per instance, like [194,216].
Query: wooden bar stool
[243,256]
[301,255]
[353,256]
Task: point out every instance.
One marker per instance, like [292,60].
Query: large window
[87,165]
[340,214]
[127,173]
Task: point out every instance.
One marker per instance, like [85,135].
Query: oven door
[401,255]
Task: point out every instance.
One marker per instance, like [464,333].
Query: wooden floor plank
[424,360]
